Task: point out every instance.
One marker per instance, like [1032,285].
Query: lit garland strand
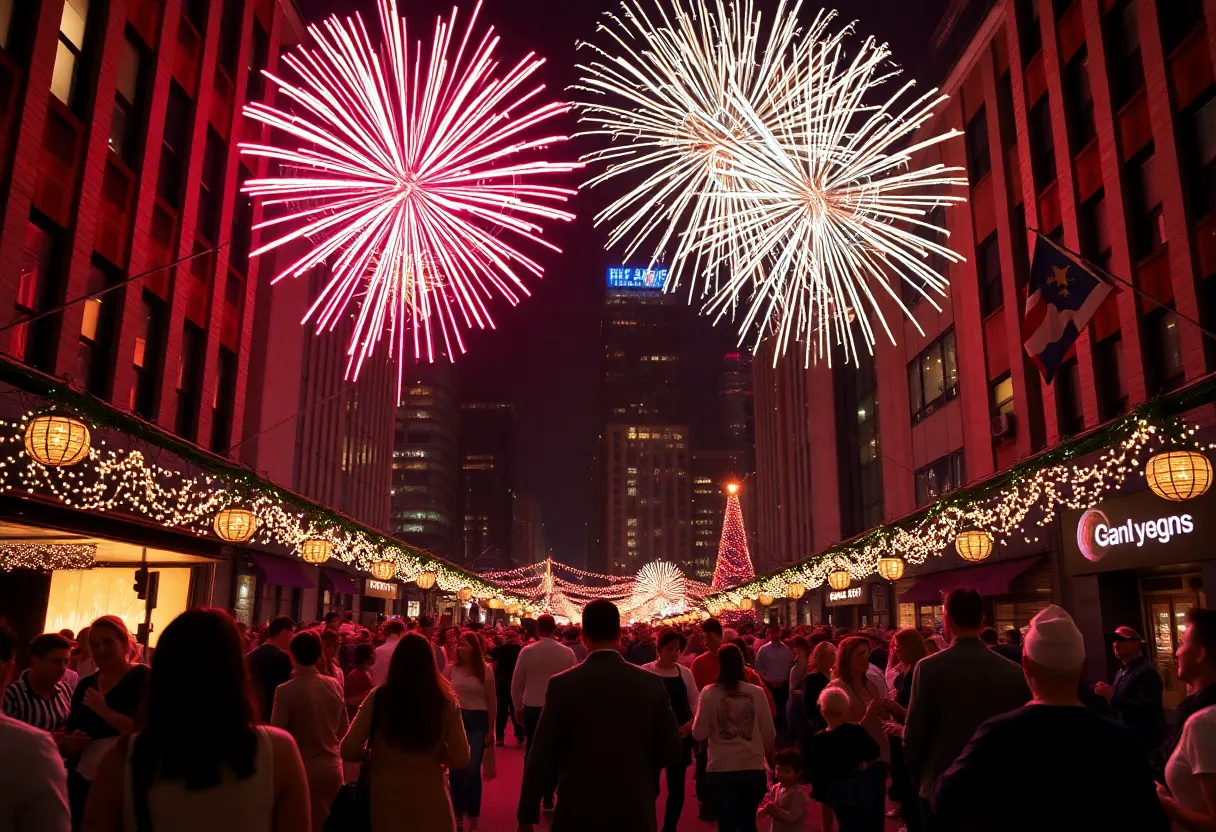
[1003,514]
[113,480]
[46,557]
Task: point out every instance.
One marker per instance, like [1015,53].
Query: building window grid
[988,265]
[933,377]
[939,478]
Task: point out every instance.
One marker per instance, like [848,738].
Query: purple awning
[343,583]
[986,579]
[282,571]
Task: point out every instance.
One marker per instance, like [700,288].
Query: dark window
[175,148]
[230,35]
[1198,140]
[1001,395]
[1112,396]
[979,162]
[225,401]
[260,48]
[1163,350]
[37,289]
[1178,19]
[934,261]
[1004,102]
[6,21]
[1095,230]
[1059,7]
[1079,101]
[1069,415]
[242,224]
[67,76]
[98,325]
[1123,52]
[126,123]
[1030,32]
[196,12]
[933,377]
[190,380]
[859,461]
[211,186]
[939,478]
[988,264]
[149,344]
[1042,145]
[1144,204]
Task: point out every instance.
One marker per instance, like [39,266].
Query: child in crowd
[786,801]
[841,777]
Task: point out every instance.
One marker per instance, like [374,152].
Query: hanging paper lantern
[316,551]
[235,525]
[512,609]
[464,593]
[795,590]
[384,570]
[426,579]
[1178,475]
[495,603]
[840,579]
[891,568]
[745,603]
[57,439]
[973,545]
[765,599]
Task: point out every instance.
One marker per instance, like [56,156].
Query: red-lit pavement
[501,798]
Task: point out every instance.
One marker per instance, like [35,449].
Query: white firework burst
[809,190]
[659,589]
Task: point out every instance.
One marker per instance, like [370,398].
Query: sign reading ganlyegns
[1136,531]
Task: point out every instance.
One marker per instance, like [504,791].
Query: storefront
[1014,591]
[380,598]
[339,592]
[1141,561]
[859,605]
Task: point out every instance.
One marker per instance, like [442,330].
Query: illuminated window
[72,24]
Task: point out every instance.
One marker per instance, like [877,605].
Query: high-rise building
[648,511]
[711,471]
[642,338]
[426,460]
[735,402]
[486,497]
[529,531]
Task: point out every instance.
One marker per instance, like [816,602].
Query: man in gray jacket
[954,692]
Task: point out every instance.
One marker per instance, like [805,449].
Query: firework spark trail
[413,179]
[773,162]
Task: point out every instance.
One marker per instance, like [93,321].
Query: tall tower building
[735,402]
[710,472]
[642,508]
[486,497]
[426,460]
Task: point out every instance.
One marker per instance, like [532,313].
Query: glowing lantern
[495,603]
[795,590]
[745,603]
[840,579]
[714,609]
[384,570]
[732,488]
[235,525]
[464,593]
[973,545]
[765,599]
[1178,475]
[891,568]
[316,550]
[426,579]
[57,440]
[513,609]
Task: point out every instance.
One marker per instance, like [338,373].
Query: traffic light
[141,584]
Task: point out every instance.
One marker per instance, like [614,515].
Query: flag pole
[1101,273]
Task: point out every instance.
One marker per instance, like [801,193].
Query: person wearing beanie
[1081,770]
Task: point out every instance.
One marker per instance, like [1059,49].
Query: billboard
[630,277]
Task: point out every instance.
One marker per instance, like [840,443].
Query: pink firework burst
[413,177]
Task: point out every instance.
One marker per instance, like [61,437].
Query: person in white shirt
[1189,793]
[735,718]
[537,664]
[393,631]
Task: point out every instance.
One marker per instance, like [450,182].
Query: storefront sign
[1137,531]
[847,597]
[381,589]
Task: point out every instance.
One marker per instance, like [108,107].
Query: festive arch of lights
[414,174]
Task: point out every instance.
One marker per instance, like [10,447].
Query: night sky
[544,356]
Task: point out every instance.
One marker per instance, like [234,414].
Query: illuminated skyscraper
[426,461]
[486,496]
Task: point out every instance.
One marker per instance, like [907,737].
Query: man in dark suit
[1135,697]
[606,732]
[954,692]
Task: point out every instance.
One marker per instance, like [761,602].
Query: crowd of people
[285,727]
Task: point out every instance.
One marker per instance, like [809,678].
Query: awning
[986,579]
[282,571]
[343,583]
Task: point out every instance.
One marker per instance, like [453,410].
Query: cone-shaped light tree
[734,564]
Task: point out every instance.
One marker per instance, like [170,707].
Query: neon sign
[627,277]
[1096,535]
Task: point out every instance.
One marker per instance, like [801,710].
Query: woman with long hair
[473,682]
[104,705]
[200,762]
[411,728]
[907,648]
[733,715]
[818,676]
[867,706]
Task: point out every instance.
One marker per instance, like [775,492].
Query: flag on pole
[1064,294]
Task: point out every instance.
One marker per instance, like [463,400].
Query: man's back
[384,657]
[270,667]
[1085,772]
[537,664]
[606,732]
[953,693]
[35,793]
[311,708]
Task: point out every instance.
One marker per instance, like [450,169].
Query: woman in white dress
[201,763]
[1189,794]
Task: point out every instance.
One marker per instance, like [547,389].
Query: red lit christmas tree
[734,564]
